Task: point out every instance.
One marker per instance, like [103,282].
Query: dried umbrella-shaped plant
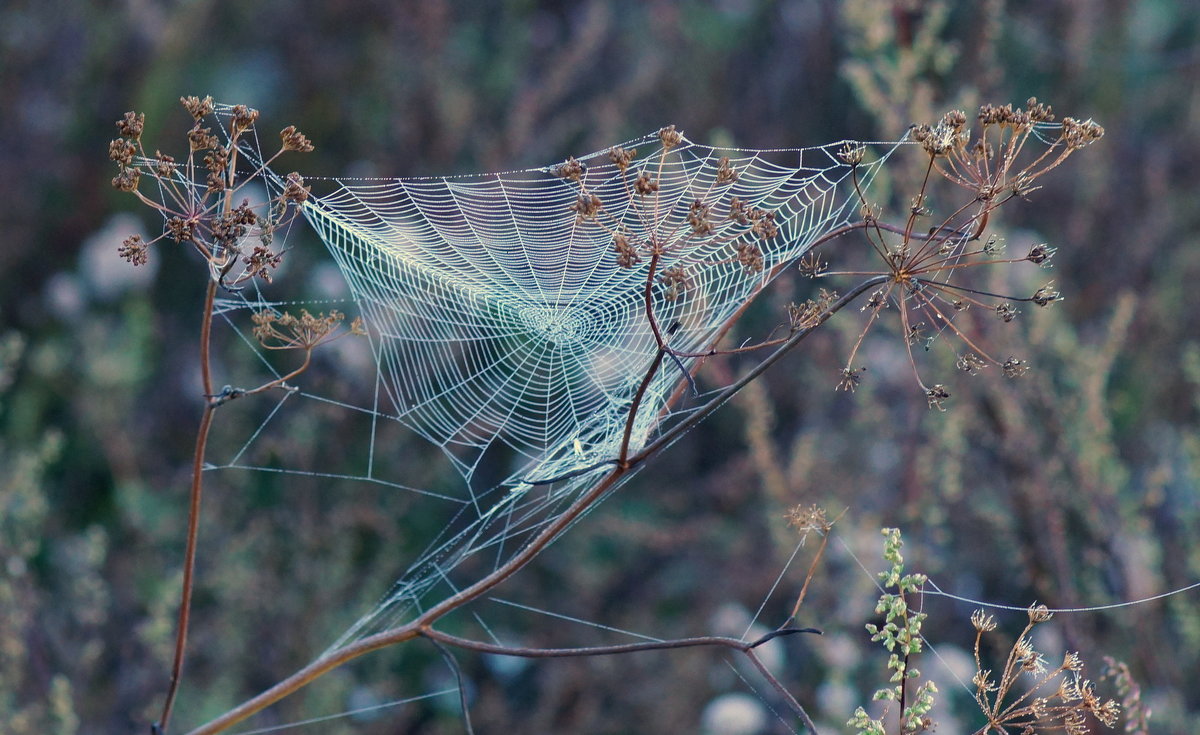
[198,199]
[1057,699]
[199,203]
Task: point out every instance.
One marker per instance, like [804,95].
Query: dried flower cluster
[1011,149]
[1028,695]
[286,331]
[198,197]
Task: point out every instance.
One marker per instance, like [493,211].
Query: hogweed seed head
[196,107]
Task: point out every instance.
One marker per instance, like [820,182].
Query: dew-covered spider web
[514,315]
[501,316]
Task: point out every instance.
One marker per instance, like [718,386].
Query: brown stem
[746,647]
[193,531]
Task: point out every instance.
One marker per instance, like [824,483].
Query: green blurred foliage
[1076,486]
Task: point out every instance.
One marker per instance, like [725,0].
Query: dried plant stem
[193,530]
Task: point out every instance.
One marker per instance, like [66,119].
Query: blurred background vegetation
[1076,486]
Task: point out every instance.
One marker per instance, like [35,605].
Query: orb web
[500,315]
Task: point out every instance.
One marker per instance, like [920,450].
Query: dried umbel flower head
[1040,253]
[675,281]
[294,190]
[202,139]
[287,331]
[627,254]
[126,180]
[970,363]
[983,622]
[242,119]
[749,256]
[1014,368]
[134,250]
[132,125]
[726,173]
[698,218]
[196,107]
[586,207]
[122,151]
[1046,295]
[621,157]
[571,170]
[852,153]
[294,140]
[937,395]
[808,518]
[1039,613]
[193,199]
[670,137]
[164,165]
[644,185]
[850,378]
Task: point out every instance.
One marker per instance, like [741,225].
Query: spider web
[499,316]
[501,323]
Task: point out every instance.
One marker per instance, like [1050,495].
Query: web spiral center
[560,326]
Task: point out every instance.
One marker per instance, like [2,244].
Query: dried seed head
[621,157]
[164,165]
[852,153]
[134,250]
[243,118]
[122,151]
[294,140]
[1038,111]
[201,139]
[1046,295]
[1078,134]
[698,218]
[764,224]
[749,256]
[1014,368]
[586,206]
[132,124]
[1039,613]
[983,622]
[644,185]
[180,230]
[955,119]
[571,170]
[126,180]
[670,137]
[627,254]
[675,280]
[1040,253]
[811,265]
[936,396]
[850,378]
[810,518]
[726,173]
[196,107]
[262,261]
[1006,312]
[216,160]
[970,363]
[295,190]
